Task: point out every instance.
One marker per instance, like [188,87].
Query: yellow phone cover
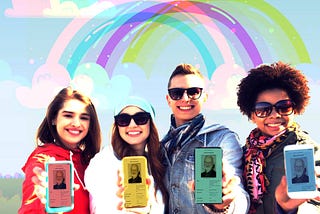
[135,187]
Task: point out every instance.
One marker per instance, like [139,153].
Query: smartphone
[300,171]
[208,175]
[59,193]
[135,186]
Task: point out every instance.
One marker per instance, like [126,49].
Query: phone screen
[208,175]
[60,186]
[299,164]
[135,187]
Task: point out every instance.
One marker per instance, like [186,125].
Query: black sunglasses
[193,93]
[140,118]
[283,107]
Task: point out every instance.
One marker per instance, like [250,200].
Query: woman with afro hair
[271,96]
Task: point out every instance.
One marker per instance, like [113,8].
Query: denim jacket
[181,199]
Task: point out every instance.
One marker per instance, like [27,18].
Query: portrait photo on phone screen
[60,180]
[208,166]
[59,185]
[208,175]
[300,171]
[135,173]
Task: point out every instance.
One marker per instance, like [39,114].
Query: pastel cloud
[47,80]
[223,86]
[23,8]
[55,8]
[64,9]
[93,80]
[230,102]
[72,9]
[89,78]
[95,9]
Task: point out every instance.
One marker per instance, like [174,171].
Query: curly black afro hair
[278,75]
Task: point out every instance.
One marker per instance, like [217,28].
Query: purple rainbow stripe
[176,7]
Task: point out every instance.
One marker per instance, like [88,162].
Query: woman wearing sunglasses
[270,96]
[133,133]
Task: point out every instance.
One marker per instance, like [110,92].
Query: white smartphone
[59,193]
[300,171]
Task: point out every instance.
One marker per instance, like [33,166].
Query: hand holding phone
[59,192]
[208,175]
[135,184]
[300,171]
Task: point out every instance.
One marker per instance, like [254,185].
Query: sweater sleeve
[101,182]
[30,202]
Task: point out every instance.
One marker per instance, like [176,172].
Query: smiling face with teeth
[186,109]
[274,123]
[135,135]
[72,123]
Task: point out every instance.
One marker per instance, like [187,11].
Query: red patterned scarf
[258,147]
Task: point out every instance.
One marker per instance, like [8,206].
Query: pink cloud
[222,87]
[55,8]
[24,8]
[46,82]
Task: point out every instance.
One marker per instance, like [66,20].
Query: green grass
[10,195]
[10,187]
[11,205]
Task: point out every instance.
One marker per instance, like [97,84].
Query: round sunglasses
[124,119]
[193,93]
[282,107]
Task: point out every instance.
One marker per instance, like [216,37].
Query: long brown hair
[47,132]
[122,149]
